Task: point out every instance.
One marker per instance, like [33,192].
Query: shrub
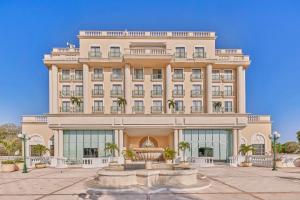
[19,160]
[129,154]
[169,153]
[291,147]
[8,162]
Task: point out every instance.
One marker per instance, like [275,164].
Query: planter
[40,165]
[8,167]
[279,164]
[297,162]
[169,162]
[20,166]
[245,164]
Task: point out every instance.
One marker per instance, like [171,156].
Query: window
[197,106]
[157,104]
[98,106]
[216,91]
[117,89]
[157,74]
[66,90]
[259,149]
[65,74]
[178,74]
[79,107]
[138,74]
[196,73]
[196,90]
[228,75]
[217,106]
[98,73]
[66,106]
[199,52]
[157,90]
[178,90]
[115,52]
[228,90]
[139,106]
[179,105]
[138,90]
[90,152]
[79,90]
[117,73]
[215,74]
[95,51]
[78,74]
[98,89]
[228,106]
[180,52]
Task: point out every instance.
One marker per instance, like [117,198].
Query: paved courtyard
[227,183]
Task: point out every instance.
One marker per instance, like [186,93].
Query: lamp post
[24,137]
[274,136]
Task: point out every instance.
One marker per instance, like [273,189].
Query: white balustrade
[201,161]
[95,162]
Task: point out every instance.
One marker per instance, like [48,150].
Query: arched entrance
[145,143]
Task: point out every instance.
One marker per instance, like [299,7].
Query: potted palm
[10,147]
[121,103]
[40,150]
[128,155]
[245,150]
[183,146]
[171,104]
[217,106]
[169,155]
[111,148]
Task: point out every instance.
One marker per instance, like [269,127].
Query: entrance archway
[144,140]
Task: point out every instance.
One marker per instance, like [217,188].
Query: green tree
[245,150]
[217,106]
[9,146]
[171,104]
[111,148]
[291,147]
[169,153]
[183,146]
[298,136]
[39,150]
[121,102]
[75,100]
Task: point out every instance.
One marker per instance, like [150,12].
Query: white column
[180,139]
[175,141]
[86,88]
[50,90]
[56,143]
[168,86]
[54,92]
[127,88]
[60,143]
[241,88]
[116,137]
[208,90]
[121,140]
[235,142]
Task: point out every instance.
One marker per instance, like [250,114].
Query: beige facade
[148,69]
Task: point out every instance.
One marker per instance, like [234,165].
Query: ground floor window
[86,143]
[209,143]
[259,149]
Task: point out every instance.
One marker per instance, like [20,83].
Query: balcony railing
[116,93]
[78,93]
[76,109]
[227,77]
[70,77]
[97,77]
[138,77]
[199,55]
[156,109]
[156,93]
[227,93]
[180,54]
[97,93]
[148,51]
[179,109]
[138,93]
[196,77]
[116,109]
[259,119]
[65,77]
[178,93]
[138,109]
[216,77]
[196,93]
[178,77]
[78,77]
[65,93]
[95,54]
[156,77]
[217,93]
[115,77]
[113,54]
[196,109]
[99,109]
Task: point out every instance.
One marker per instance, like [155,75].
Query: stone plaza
[225,183]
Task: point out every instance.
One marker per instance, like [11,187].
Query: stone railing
[233,58]
[157,34]
[95,162]
[148,51]
[259,118]
[228,51]
[201,161]
[256,160]
[34,119]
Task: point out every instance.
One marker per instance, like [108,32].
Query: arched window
[258,143]
[35,140]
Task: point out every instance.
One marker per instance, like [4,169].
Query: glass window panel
[216,144]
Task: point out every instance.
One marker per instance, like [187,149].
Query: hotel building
[148,70]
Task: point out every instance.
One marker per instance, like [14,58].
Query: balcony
[63,93]
[116,77]
[196,109]
[148,52]
[217,93]
[199,55]
[138,109]
[178,77]
[62,55]
[113,54]
[98,109]
[78,93]
[76,109]
[228,93]
[116,109]
[196,93]
[259,119]
[138,93]
[65,109]
[227,77]
[138,77]
[156,77]
[77,78]
[116,93]
[97,93]
[180,55]
[97,77]
[95,54]
[196,77]
[156,109]
[67,78]
[63,78]
[34,119]
[178,93]
[156,93]
[179,109]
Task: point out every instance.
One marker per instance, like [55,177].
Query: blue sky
[267,30]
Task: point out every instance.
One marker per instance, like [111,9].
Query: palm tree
[75,100]
[10,146]
[121,102]
[171,104]
[298,136]
[245,149]
[217,106]
[111,148]
[40,150]
[184,146]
